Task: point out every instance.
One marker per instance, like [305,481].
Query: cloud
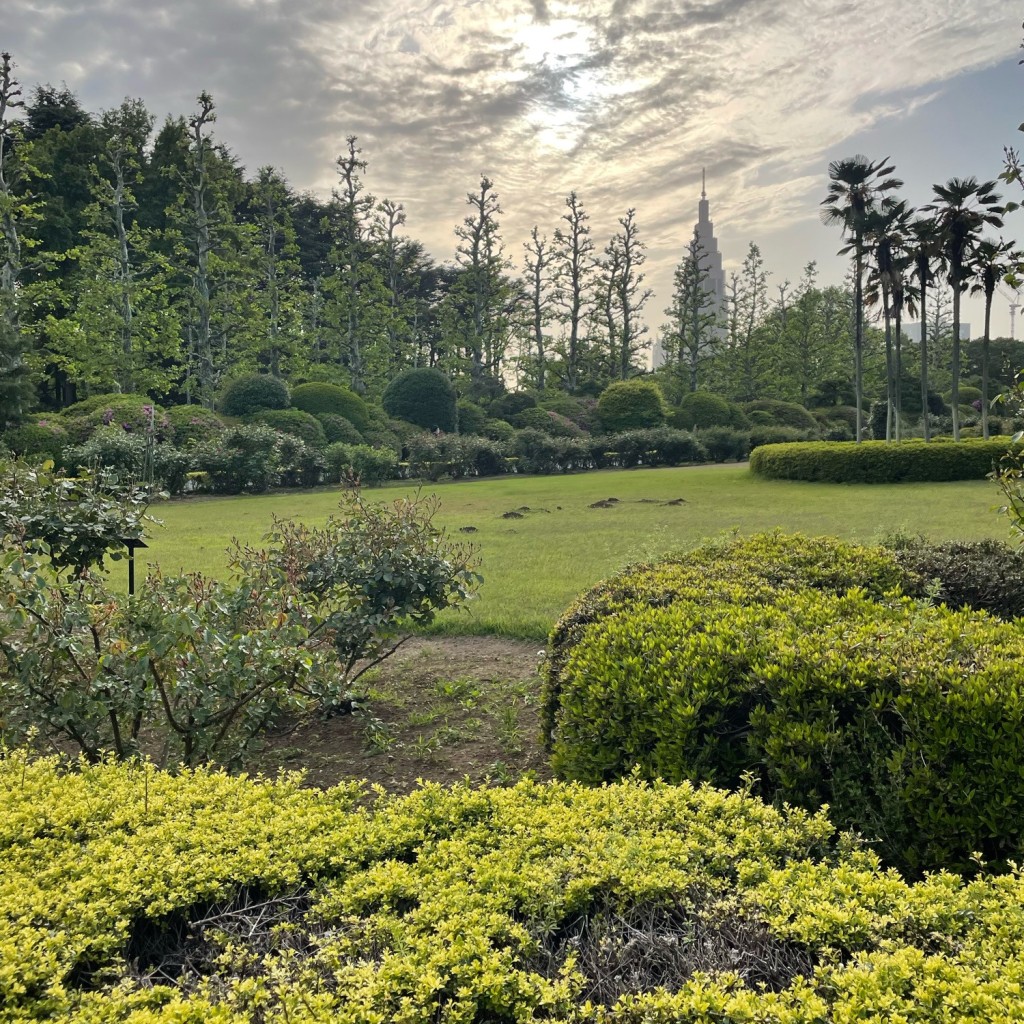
[623,100]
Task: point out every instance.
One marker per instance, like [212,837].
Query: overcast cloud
[623,100]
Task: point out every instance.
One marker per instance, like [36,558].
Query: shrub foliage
[758,657]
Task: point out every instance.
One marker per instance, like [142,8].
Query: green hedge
[875,462]
[317,398]
[131,894]
[757,657]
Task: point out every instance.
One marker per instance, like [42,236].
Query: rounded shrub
[298,424]
[550,422]
[135,414]
[423,396]
[700,409]
[193,424]
[42,437]
[582,411]
[319,398]
[966,394]
[471,417]
[907,720]
[509,405]
[132,458]
[768,411]
[499,430]
[252,392]
[299,464]
[337,428]
[631,405]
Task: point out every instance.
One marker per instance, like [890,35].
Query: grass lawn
[555,545]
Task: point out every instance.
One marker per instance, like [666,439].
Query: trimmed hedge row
[756,657]
[877,462]
[130,894]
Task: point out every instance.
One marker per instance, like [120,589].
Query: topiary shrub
[766,411]
[135,414]
[331,399]
[471,417]
[966,394]
[193,424]
[252,392]
[758,666]
[295,422]
[423,396]
[630,405]
[762,435]
[701,409]
[499,430]
[510,405]
[876,462]
[582,411]
[42,437]
[337,428]
[550,422]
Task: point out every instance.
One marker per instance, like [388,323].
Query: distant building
[913,331]
[712,261]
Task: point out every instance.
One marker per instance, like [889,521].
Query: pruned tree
[624,256]
[538,258]
[690,338]
[574,264]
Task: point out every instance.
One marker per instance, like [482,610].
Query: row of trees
[905,252]
[141,260]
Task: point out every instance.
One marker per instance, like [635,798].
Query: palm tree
[924,251]
[856,187]
[885,234]
[963,208]
[992,262]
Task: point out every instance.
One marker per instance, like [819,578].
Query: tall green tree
[962,209]
[574,263]
[481,299]
[857,186]
[626,254]
[992,262]
[15,382]
[538,300]
[745,356]
[690,337]
[924,251]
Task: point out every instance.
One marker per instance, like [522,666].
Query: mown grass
[533,566]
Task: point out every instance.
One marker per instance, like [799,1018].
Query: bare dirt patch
[440,709]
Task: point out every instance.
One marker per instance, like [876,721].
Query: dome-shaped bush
[338,428]
[295,422]
[701,409]
[471,417]
[768,411]
[631,405]
[242,396]
[423,396]
[317,398]
[193,424]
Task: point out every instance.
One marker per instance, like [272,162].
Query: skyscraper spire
[703,184]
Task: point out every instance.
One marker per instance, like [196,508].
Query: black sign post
[131,545]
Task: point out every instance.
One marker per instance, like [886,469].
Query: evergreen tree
[690,338]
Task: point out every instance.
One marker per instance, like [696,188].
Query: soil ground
[441,708]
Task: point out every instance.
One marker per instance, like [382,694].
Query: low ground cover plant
[803,666]
[219,898]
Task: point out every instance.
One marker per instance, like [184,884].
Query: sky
[624,101]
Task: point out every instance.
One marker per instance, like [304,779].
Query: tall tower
[711,261]
[706,236]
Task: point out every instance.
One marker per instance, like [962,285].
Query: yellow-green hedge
[468,906]
[878,462]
